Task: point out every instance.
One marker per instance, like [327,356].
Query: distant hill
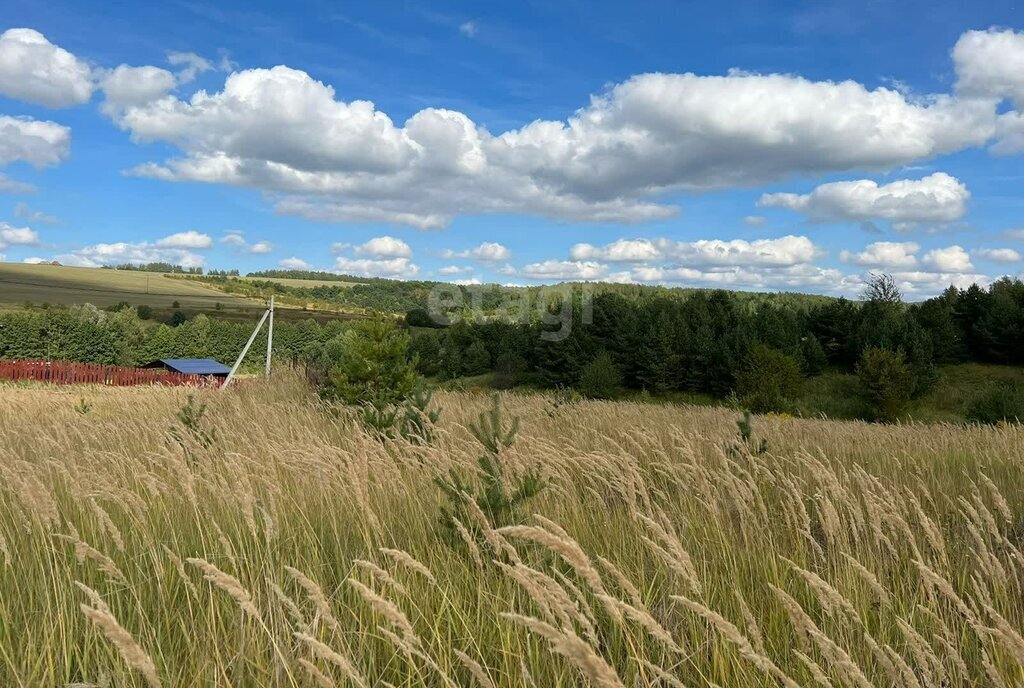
[24,285]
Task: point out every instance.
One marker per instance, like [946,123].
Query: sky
[786,146]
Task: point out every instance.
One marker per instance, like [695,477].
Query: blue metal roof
[196,366]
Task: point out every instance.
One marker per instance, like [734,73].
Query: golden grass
[299,551]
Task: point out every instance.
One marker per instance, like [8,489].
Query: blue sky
[791,147]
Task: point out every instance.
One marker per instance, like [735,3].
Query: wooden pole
[245,350]
[270,335]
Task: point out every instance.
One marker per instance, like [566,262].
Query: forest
[756,350]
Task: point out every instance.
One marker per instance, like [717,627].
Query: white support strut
[245,350]
[270,335]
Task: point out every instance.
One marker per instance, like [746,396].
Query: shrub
[502,492]
[768,381]
[1003,401]
[600,379]
[812,356]
[509,367]
[425,349]
[419,317]
[886,383]
[476,360]
[371,364]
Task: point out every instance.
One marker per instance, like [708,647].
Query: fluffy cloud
[935,198]
[454,270]
[236,239]
[233,238]
[754,220]
[489,251]
[293,263]
[191,65]
[998,255]
[385,247]
[385,257]
[37,142]
[621,251]
[884,254]
[17,236]
[393,268]
[190,239]
[990,64]
[125,87]
[563,270]
[802,276]
[125,252]
[787,250]
[37,71]
[1009,134]
[331,160]
[919,284]
[949,259]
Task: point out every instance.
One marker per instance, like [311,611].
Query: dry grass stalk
[731,633]
[316,595]
[228,583]
[573,648]
[131,652]
[408,561]
[329,654]
[474,668]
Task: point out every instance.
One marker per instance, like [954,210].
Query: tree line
[88,334]
[720,343]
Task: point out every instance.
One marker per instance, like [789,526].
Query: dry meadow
[280,545]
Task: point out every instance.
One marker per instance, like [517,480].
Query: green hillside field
[24,285]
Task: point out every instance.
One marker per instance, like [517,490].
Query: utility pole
[245,350]
[270,335]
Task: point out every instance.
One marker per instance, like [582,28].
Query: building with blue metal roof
[192,366]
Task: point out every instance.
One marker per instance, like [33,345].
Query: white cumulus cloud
[990,64]
[884,254]
[998,255]
[563,270]
[938,197]
[36,71]
[621,251]
[17,236]
[333,160]
[37,142]
[948,259]
[189,239]
[293,263]
[120,252]
[454,270]
[385,247]
[393,268]
[126,86]
[489,251]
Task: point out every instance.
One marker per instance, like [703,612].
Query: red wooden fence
[71,373]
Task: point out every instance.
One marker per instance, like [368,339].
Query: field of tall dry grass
[296,550]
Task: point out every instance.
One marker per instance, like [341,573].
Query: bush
[425,348]
[600,379]
[768,381]
[476,360]
[812,356]
[886,383]
[1003,401]
[371,364]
